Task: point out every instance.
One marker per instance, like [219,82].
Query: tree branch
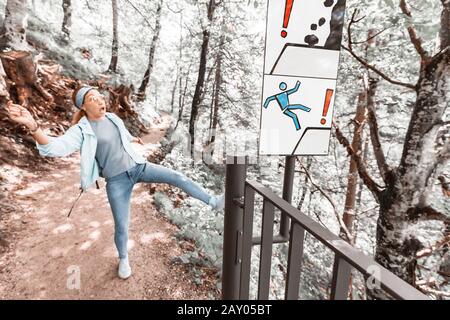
[432,249]
[328,197]
[381,74]
[371,37]
[429,290]
[355,20]
[415,40]
[364,62]
[374,132]
[349,28]
[428,213]
[362,170]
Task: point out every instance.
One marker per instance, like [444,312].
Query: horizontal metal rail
[346,256]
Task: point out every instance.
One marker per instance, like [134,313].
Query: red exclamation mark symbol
[326,105]
[287,16]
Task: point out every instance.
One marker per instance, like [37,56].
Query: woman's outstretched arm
[40,136]
[48,146]
[19,114]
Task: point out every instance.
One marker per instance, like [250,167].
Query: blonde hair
[80,113]
[77,116]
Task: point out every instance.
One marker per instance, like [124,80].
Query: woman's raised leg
[159,174]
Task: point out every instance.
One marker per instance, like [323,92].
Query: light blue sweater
[82,137]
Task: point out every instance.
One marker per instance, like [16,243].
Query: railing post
[236,170]
[340,282]
[294,265]
[289,170]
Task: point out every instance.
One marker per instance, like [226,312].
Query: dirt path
[55,257]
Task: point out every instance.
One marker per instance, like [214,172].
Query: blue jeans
[119,189]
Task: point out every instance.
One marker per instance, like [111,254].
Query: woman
[106,151]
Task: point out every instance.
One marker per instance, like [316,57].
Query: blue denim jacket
[82,137]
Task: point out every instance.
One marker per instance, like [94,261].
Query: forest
[195,70]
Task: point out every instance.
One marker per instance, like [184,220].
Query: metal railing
[239,240]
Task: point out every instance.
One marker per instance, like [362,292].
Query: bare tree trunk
[182,97]
[211,107]
[404,197]
[196,101]
[67,20]
[404,202]
[174,90]
[349,214]
[305,184]
[115,42]
[180,105]
[180,72]
[13,33]
[218,87]
[352,181]
[364,98]
[361,183]
[151,55]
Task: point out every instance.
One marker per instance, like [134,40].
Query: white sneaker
[124,268]
[218,202]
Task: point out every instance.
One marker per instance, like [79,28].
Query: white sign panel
[303,39]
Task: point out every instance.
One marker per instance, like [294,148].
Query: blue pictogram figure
[283,101]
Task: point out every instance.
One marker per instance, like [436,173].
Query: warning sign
[303,39]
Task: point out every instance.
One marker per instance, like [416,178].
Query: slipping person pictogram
[283,101]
